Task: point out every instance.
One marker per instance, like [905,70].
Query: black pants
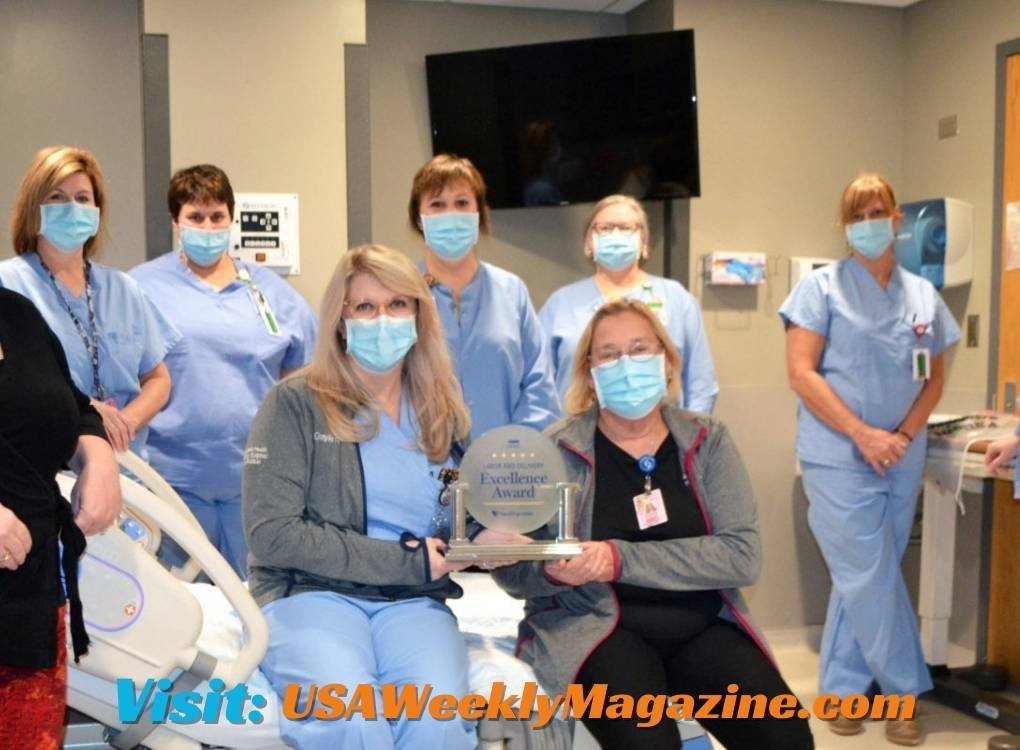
[704,664]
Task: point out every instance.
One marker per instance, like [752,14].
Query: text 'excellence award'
[513,479]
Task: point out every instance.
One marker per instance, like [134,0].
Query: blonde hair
[861,191]
[427,373]
[622,200]
[581,394]
[50,167]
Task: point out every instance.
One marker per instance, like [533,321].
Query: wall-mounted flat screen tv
[571,122]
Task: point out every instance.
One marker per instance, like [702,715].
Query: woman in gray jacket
[343,476]
[670,531]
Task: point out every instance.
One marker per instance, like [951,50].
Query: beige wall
[71,73]
[256,87]
[542,245]
[785,88]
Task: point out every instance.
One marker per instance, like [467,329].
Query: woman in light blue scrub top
[243,329]
[616,238]
[493,334]
[344,504]
[1000,452]
[114,338]
[865,349]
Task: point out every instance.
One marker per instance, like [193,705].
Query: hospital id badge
[921,359]
[265,312]
[650,509]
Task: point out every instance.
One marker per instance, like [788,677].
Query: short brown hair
[50,167]
[861,191]
[435,175]
[202,184]
[581,395]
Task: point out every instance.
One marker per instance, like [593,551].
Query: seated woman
[342,484]
[670,531]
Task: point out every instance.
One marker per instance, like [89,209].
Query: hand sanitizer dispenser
[936,239]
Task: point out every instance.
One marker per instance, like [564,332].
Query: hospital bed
[147,621]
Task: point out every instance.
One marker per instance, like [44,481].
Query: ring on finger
[5,557]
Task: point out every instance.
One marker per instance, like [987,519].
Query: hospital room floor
[945,728]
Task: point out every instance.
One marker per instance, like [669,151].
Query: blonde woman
[616,241]
[115,339]
[343,476]
[670,532]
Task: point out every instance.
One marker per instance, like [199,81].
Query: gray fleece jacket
[304,512]
[563,624]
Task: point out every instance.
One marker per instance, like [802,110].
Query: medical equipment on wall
[266,231]
[801,266]
[735,269]
[935,240]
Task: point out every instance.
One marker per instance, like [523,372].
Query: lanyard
[261,303]
[90,339]
[647,464]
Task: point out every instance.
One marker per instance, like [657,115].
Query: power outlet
[973,323]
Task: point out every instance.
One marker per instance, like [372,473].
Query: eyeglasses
[366,309]
[608,227]
[639,351]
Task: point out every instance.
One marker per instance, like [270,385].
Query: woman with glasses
[114,338]
[865,350]
[616,239]
[669,532]
[492,332]
[243,329]
[345,506]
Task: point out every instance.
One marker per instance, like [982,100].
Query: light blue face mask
[67,226]
[379,344]
[204,246]
[617,250]
[870,237]
[631,388]
[451,235]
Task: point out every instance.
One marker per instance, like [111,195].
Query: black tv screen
[571,122]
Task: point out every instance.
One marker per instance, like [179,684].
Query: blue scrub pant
[221,520]
[321,637]
[862,523]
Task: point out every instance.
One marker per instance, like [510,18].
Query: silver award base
[462,549]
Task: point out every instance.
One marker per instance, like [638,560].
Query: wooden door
[1004,583]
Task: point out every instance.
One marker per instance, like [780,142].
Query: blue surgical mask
[616,250]
[67,226]
[871,237]
[379,344]
[204,246]
[451,235]
[631,388]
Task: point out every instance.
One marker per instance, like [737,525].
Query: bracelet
[898,431]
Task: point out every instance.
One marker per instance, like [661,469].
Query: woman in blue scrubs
[243,329]
[616,239]
[114,338]
[865,349]
[493,334]
[344,480]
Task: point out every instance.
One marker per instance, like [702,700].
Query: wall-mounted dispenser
[936,239]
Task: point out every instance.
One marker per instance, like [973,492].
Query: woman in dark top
[670,531]
[45,424]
